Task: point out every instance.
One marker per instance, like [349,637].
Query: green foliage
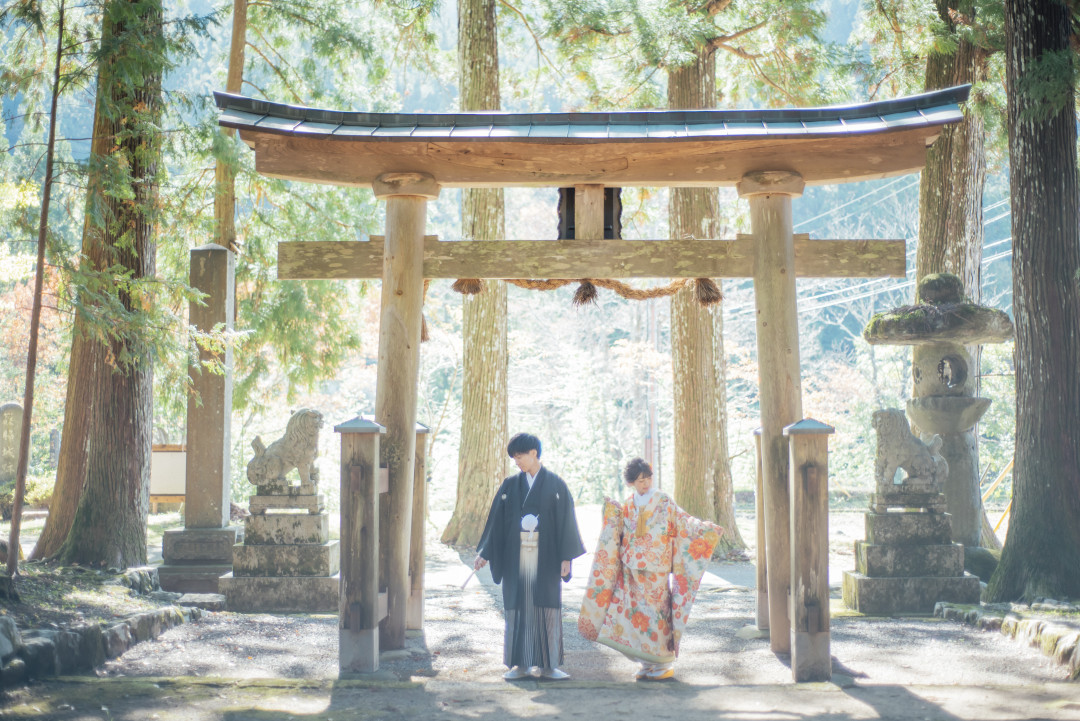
[767,53]
[1048,86]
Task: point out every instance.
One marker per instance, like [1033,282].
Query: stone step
[192,577]
[286,528]
[908,529]
[877,560]
[888,596]
[281,594]
[310,503]
[205,601]
[301,559]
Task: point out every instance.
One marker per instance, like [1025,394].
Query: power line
[856,200]
[743,310]
[905,284]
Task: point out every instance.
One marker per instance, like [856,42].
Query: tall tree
[770,54]
[87,356]
[224,171]
[482,453]
[1042,550]
[109,527]
[951,186]
[703,482]
[35,313]
[952,182]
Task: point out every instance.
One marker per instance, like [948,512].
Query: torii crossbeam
[768,155]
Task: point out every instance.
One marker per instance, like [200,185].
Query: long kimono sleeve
[692,545]
[605,571]
[492,545]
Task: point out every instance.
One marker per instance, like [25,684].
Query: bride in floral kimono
[648,564]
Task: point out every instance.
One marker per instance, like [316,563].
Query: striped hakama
[533,633]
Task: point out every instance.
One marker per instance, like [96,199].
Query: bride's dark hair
[635,468]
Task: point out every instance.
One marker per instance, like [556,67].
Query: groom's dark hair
[523,443]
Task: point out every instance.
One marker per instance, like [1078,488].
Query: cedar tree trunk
[703,485]
[482,460]
[224,173]
[952,182]
[109,528]
[1042,549]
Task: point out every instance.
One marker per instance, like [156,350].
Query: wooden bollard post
[762,615]
[406,196]
[414,618]
[779,383]
[359,610]
[808,446]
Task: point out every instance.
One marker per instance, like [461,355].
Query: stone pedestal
[196,558]
[287,563]
[907,563]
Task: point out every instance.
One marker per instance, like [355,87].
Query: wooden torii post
[769,155]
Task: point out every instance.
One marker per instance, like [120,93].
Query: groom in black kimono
[530,539]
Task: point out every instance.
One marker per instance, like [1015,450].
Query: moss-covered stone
[964,322]
[940,288]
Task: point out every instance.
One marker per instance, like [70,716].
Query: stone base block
[882,502]
[281,594]
[199,545]
[287,488]
[286,528]
[358,651]
[904,529]
[192,577]
[876,560]
[293,560]
[810,657]
[887,596]
[311,503]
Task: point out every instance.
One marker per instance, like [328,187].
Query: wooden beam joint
[416,184]
[771,182]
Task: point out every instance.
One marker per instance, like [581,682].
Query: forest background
[584,379]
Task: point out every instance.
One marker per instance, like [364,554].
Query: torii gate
[768,155]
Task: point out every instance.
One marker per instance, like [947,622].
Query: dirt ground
[255,666]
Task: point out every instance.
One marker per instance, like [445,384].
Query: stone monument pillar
[10,433]
[196,557]
[939,326]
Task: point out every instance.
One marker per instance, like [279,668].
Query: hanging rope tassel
[423,319]
[585,294]
[706,292]
[468,286]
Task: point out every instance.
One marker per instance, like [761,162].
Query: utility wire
[905,284]
[743,310]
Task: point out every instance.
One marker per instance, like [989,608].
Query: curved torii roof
[655,148]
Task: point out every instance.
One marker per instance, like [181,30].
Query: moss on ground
[63,595]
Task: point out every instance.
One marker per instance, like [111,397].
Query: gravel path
[462,637]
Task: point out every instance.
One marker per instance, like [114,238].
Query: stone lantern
[942,326]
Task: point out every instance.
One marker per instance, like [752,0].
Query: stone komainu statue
[297,449]
[897,447]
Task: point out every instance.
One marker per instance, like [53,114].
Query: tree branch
[277,71]
[536,39]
